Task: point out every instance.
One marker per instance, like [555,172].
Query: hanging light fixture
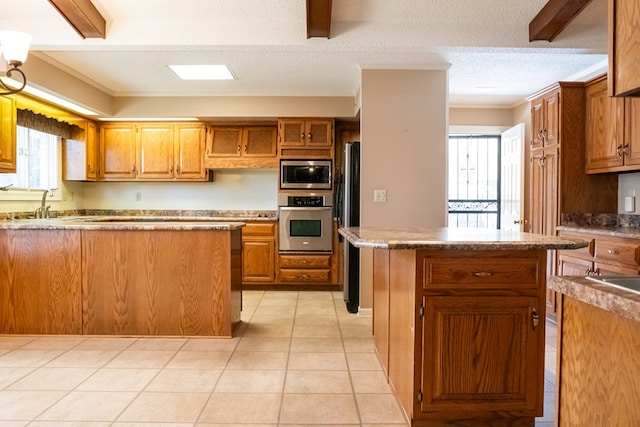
[14,47]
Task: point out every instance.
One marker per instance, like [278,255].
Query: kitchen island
[598,359]
[120,276]
[458,321]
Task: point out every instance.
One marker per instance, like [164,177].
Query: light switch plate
[629,204]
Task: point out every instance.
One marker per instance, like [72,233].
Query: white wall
[628,185]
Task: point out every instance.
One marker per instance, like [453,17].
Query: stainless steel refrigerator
[351,218]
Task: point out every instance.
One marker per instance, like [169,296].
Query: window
[37,161]
[474,181]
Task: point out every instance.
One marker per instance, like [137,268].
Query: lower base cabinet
[461,334]
[259,252]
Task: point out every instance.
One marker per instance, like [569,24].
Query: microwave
[305,174]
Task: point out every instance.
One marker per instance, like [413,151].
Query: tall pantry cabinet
[558,181]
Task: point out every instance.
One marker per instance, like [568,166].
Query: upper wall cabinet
[624,49]
[241,147]
[612,130]
[153,151]
[81,159]
[306,138]
[7,134]
[544,120]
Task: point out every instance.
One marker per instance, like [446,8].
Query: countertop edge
[609,298]
[137,223]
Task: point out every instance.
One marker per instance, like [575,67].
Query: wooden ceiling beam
[83,16]
[554,17]
[318,18]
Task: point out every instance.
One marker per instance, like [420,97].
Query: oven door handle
[305,208]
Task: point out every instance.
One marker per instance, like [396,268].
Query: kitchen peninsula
[458,321]
[120,276]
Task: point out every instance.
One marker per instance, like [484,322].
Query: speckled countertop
[613,299]
[123,223]
[631,233]
[454,238]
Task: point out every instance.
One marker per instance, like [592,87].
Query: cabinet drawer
[294,275]
[305,261]
[585,253]
[621,251]
[480,272]
[259,229]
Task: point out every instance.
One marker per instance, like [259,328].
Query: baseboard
[365,312]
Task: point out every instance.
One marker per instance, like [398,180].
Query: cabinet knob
[620,150]
[238,149]
[178,169]
[302,137]
[520,221]
[613,252]
[309,137]
[535,319]
[482,274]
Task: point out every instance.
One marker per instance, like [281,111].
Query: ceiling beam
[318,18]
[553,18]
[83,17]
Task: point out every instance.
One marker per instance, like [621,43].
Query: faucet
[6,187]
[43,210]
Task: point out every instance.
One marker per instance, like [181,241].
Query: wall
[628,185]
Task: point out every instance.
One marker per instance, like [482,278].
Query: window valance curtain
[42,123]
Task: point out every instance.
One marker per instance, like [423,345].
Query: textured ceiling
[264,43]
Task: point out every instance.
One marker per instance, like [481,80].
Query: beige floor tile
[258,360]
[315,331]
[315,320]
[11,342]
[141,359]
[158,344]
[363,362]
[10,375]
[53,342]
[318,408]
[185,380]
[88,406]
[110,379]
[290,295]
[248,408]
[358,345]
[277,302]
[370,382]
[28,358]
[165,407]
[250,381]
[379,408]
[26,405]
[320,310]
[105,343]
[317,361]
[265,330]
[53,379]
[305,296]
[275,310]
[199,360]
[83,359]
[359,331]
[316,345]
[317,382]
[210,344]
[255,343]
[388,425]
[273,319]
[71,424]
[143,424]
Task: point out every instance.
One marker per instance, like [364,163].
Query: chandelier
[14,47]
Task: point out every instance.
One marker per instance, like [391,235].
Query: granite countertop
[454,238]
[610,298]
[628,232]
[124,223]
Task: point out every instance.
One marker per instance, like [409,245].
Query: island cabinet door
[483,357]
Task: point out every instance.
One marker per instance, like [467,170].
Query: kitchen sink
[629,283]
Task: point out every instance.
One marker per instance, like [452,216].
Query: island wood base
[124,282]
[460,334]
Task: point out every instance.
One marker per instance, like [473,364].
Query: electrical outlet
[138,196]
[379,196]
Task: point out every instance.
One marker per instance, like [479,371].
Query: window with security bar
[474,181]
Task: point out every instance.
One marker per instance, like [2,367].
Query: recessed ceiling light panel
[203,72]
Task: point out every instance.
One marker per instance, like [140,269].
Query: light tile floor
[300,359]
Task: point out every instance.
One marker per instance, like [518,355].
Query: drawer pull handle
[613,252]
[535,318]
[482,274]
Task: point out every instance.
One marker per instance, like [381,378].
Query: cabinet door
[319,133]
[292,133]
[481,355]
[259,141]
[224,142]
[604,131]
[551,118]
[537,123]
[7,134]
[188,152]
[632,131]
[624,60]
[258,260]
[118,151]
[572,266]
[93,152]
[536,204]
[155,151]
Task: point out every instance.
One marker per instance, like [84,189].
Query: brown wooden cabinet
[153,151]
[7,134]
[613,130]
[259,252]
[557,169]
[306,138]
[241,147]
[605,255]
[624,51]
[81,158]
[303,268]
[461,334]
